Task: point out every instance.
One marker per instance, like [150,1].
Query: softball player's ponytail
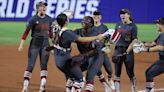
[56,29]
[61,22]
[131,18]
[62,19]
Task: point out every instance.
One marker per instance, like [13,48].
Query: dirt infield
[13,64]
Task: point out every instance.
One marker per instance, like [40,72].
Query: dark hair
[96,12]
[123,11]
[40,4]
[89,20]
[92,20]
[61,19]
[160,21]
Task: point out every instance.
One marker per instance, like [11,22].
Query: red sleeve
[51,34]
[24,36]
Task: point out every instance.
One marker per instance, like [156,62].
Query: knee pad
[43,73]
[27,75]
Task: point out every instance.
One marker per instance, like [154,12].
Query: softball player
[101,28]
[93,63]
[158,67]
[41,31]
[128,31]
[62,53]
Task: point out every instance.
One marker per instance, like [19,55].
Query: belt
[61,48]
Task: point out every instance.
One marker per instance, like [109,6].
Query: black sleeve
[30,23]
[161,40]
[134,32]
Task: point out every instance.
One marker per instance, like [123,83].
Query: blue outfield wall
[143,11]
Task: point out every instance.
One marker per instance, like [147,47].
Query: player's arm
[82,57]
[26,32]
[51,34]
[24,36]
[130,47]
[88,39]
[155,48]
[134,37]
[149,44]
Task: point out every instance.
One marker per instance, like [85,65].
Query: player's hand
[106,50]
[100,37]
[49,48]
[52,52]
[20,48]
[139,47]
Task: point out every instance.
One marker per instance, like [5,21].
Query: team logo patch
[37,22]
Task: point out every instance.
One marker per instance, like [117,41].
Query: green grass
[11,32]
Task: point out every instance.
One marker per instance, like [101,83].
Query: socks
[25,84]
[117,84]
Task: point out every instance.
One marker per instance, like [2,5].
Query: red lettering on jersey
[43,26]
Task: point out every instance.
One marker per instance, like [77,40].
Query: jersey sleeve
[105,28]
[30,23]
[28,27]
[116,27]
[156,39]
[161,40]
[25,34]
[134,32]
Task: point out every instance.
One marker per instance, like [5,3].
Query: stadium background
[15,13]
